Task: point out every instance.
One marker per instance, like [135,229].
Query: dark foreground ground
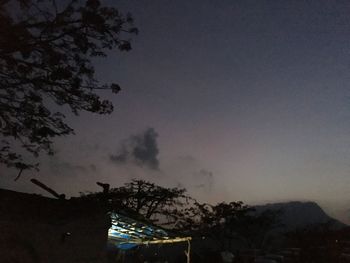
[39,229]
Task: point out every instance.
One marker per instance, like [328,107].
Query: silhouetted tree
[152,200]
[172,208]
[319,242]
[213,221]
[161,205]
[228,222]
[313,235]
[225,219]
[45,59]
[255,228]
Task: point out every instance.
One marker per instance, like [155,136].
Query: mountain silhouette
[301,214]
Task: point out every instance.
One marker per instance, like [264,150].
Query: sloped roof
[126,233]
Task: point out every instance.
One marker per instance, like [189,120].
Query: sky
[234,100]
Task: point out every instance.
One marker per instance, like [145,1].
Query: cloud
[59,167]
[141,150]
[204,179]
[187,160]
[93,167]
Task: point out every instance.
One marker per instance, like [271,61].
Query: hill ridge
[298,214]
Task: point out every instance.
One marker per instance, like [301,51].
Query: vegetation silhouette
[46,49]
[146,200]
[225,228]
[172,208]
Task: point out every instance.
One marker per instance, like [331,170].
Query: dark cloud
[204,179]
[93,167]
[187,159]
[122,156]
[141,149]
[58,166]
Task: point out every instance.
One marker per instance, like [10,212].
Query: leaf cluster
[153,202]
[45,59]
[174,209]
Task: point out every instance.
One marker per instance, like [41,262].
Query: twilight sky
[234,100]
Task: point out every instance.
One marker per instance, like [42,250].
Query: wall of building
[39,229]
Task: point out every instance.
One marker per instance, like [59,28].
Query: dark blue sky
[249,99]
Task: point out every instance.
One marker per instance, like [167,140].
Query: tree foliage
[45,59]
[172,208]
[161,205]
[227,222]
[152,201]
[216,222]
